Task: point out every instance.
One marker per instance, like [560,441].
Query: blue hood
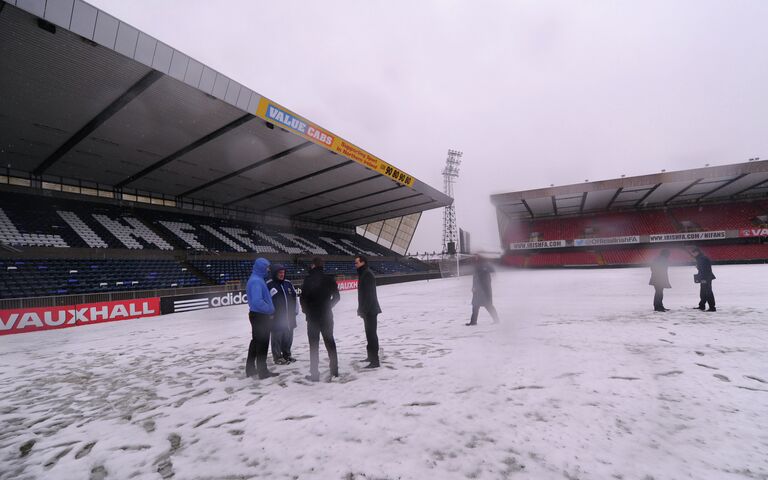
[260,267]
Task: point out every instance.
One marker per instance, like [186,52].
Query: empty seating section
[644,256]
[615,224]
[552,259]
[720,217]
[42,277]
[224,271]
[724,253]
[28,220]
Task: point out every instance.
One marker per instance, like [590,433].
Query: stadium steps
[205,279]
[674,220]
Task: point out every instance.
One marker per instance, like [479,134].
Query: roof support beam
[647,194]
[681,191]
[613,199]
[370,206]
[722,186]
[530,212]
[748,188]
[349,200]
[390,211]
[127,97]
[290,182]
[346,185]
[183,151]
[583,201]
[554,205]
[260,163]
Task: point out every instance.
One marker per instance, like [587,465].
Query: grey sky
[533,92]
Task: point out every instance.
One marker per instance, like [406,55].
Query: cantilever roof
[87,96]
[736,181]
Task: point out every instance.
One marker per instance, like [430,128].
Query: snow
[582,380]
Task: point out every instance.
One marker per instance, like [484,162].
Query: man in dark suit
[705,277]
[660,280]
[482,294]
[319,294]
[368,308]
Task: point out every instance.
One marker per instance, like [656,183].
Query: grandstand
[140,171]
[627,221]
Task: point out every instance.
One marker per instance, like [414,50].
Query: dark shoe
[267,374]
[711,309]
[699,308]
[289,359]
[470,324]
[659,310]
[335,374]
[372,365]
[313,378]
[365,360]
[250,373]
[281,361]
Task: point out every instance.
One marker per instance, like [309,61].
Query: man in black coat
[319,294]
[705,277]
[482,294]
[660,280]
[284,321]
[368,308]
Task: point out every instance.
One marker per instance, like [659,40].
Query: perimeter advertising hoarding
[589,242]
[24,320]
[203,301]
[689,236]
[532,245]
[281,116]
[753,232]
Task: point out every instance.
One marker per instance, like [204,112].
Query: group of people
[274,305]
[660,280]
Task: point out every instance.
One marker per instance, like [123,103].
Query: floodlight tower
[450,174]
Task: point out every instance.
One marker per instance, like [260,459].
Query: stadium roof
[88,97]
[709,184]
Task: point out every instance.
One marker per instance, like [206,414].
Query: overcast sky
[533,92]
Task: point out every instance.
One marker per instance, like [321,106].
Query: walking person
[283,296]
[260,316]
[368,308]
[704,279]
[482,294]
[660,280]
[319,294]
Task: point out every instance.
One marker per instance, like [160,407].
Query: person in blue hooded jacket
[260,316]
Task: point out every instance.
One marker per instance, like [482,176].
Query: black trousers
[316,327]
[705,294]
[259,346]
[658,297]
[282,341]
[372,337]
[491,309]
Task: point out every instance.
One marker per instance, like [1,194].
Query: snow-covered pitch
[582,380]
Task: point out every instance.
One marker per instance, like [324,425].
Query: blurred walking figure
[660,280]
[319,294]
[286,308]
[368,308]
[482,294]
[260,316]
[704,279]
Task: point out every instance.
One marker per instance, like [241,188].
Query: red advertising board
[753,232]
[347,285]
[47,318]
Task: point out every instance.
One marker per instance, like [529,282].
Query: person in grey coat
[368,308]
[482,294]
[660,280]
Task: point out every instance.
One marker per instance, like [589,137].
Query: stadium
[142,174]
[627,221]
[140,184]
